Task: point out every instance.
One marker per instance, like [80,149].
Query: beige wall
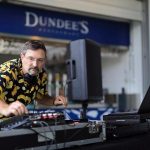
[124,9]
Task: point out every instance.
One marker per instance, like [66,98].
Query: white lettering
[75,26]
[84,26]
[60,23]
[43,21]
[68,25]
[51,22]
[31,19]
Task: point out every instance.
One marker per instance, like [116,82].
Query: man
[24,80]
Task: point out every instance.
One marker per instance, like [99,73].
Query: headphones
[30,79]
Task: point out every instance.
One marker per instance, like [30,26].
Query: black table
[139,142]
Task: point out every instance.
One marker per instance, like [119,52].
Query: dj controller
[44,129]
[34,118]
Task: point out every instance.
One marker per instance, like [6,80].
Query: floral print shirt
[13,85]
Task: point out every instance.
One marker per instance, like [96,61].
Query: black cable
[64,136]
[38,122]
[42,125]
[39,133]
[45,123]
[64,112]
[65,94]
[78,131]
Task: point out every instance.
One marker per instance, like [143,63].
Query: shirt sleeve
[4,79]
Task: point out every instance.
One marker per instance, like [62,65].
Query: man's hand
[16,108]
[60,100]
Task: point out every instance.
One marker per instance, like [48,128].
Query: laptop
[143,113]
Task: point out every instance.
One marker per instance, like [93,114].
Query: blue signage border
[30,21]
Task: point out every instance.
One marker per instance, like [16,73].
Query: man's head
[33,56]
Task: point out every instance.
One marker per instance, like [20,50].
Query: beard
[33,71]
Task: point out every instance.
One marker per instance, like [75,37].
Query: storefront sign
[37,22]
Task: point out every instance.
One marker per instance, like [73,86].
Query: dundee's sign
[37,22]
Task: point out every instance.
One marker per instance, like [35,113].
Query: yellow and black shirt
[13,85]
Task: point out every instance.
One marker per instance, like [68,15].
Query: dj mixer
[32,119]
[42,129]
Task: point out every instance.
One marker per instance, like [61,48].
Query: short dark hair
[33,45]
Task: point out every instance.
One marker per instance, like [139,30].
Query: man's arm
[50,101]
[16,108]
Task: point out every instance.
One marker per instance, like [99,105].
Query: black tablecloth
[139,142]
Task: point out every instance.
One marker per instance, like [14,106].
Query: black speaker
[84,70]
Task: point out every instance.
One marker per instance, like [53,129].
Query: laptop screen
[145,105]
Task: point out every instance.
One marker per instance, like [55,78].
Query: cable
[73,135]
[64,136]
[45,123]
[78,131]
[42,125]
[65,113]
[65,94]
[46,138]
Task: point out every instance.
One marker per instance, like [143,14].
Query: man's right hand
[16,108]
